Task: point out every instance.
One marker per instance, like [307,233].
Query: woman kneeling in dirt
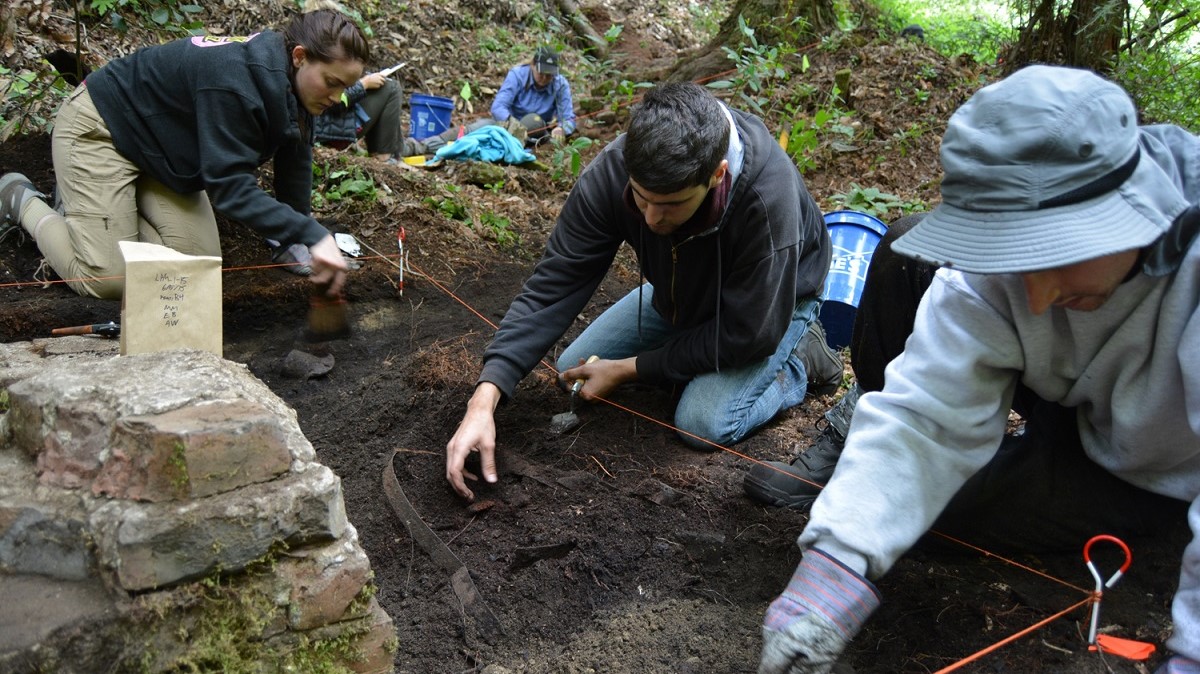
[149,145]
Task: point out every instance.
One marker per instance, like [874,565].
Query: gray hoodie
[1132,368]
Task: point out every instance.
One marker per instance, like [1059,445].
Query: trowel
[565,422]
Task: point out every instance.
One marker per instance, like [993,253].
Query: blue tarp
[489,143]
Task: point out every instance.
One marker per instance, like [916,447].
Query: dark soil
[613,548]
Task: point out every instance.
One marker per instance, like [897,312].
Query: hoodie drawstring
[641,276]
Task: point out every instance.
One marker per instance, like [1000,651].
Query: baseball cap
[546,60]
[1043,169]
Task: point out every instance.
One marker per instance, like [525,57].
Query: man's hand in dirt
[600,377]
[328,266]
[476,433]
[808,626]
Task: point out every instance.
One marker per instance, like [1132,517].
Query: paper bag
[171,301]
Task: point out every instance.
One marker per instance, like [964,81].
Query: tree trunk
[1085,34]
[583,28]
[773,21]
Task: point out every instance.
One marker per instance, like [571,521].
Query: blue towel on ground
[489,143]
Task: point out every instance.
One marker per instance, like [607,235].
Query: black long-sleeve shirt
[203,113]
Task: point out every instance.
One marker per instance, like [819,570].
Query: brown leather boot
[824,366]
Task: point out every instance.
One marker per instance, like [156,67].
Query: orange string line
[1011,562]
[21,284]
[1007,640]
[456,298]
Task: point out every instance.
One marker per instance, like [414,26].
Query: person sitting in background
[537,95]
[151,143]
[534,103]
[370,109]
[1068,241]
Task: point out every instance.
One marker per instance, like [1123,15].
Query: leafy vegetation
[1157,59]
[1165,82]
[497,228]
[809,133]
[707,16]
[169,15]
[953,27]
[567,159]
[488,225]
[332,185]
[903,140]
[451,205]
[501,45]
[873,201]
[806,133]
[26,94]
[758,68]
[626,92]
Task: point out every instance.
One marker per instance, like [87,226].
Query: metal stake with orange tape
[1125,648]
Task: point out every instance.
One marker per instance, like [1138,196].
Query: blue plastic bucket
[428,115]
[855,236]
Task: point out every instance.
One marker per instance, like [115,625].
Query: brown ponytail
[327,35]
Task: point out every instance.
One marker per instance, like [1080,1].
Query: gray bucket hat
[1043,169]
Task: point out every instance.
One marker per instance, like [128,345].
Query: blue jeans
[719,407]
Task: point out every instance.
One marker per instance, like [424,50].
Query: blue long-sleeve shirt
[520,95]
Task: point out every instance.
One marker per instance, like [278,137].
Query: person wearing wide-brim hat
[1067,288]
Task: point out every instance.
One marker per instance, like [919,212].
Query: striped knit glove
[1179,665]
[821,610]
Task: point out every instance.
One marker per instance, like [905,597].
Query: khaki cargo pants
[106,199]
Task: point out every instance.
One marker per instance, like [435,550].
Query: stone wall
[164,512]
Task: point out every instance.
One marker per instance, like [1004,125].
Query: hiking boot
[15,190]
[519,130]
[796,485]
[411,147]
[823,364]
[296,257]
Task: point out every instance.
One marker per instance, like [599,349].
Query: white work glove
[808,626]
[1179,665]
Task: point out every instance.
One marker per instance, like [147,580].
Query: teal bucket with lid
[428,115]
[855,236]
